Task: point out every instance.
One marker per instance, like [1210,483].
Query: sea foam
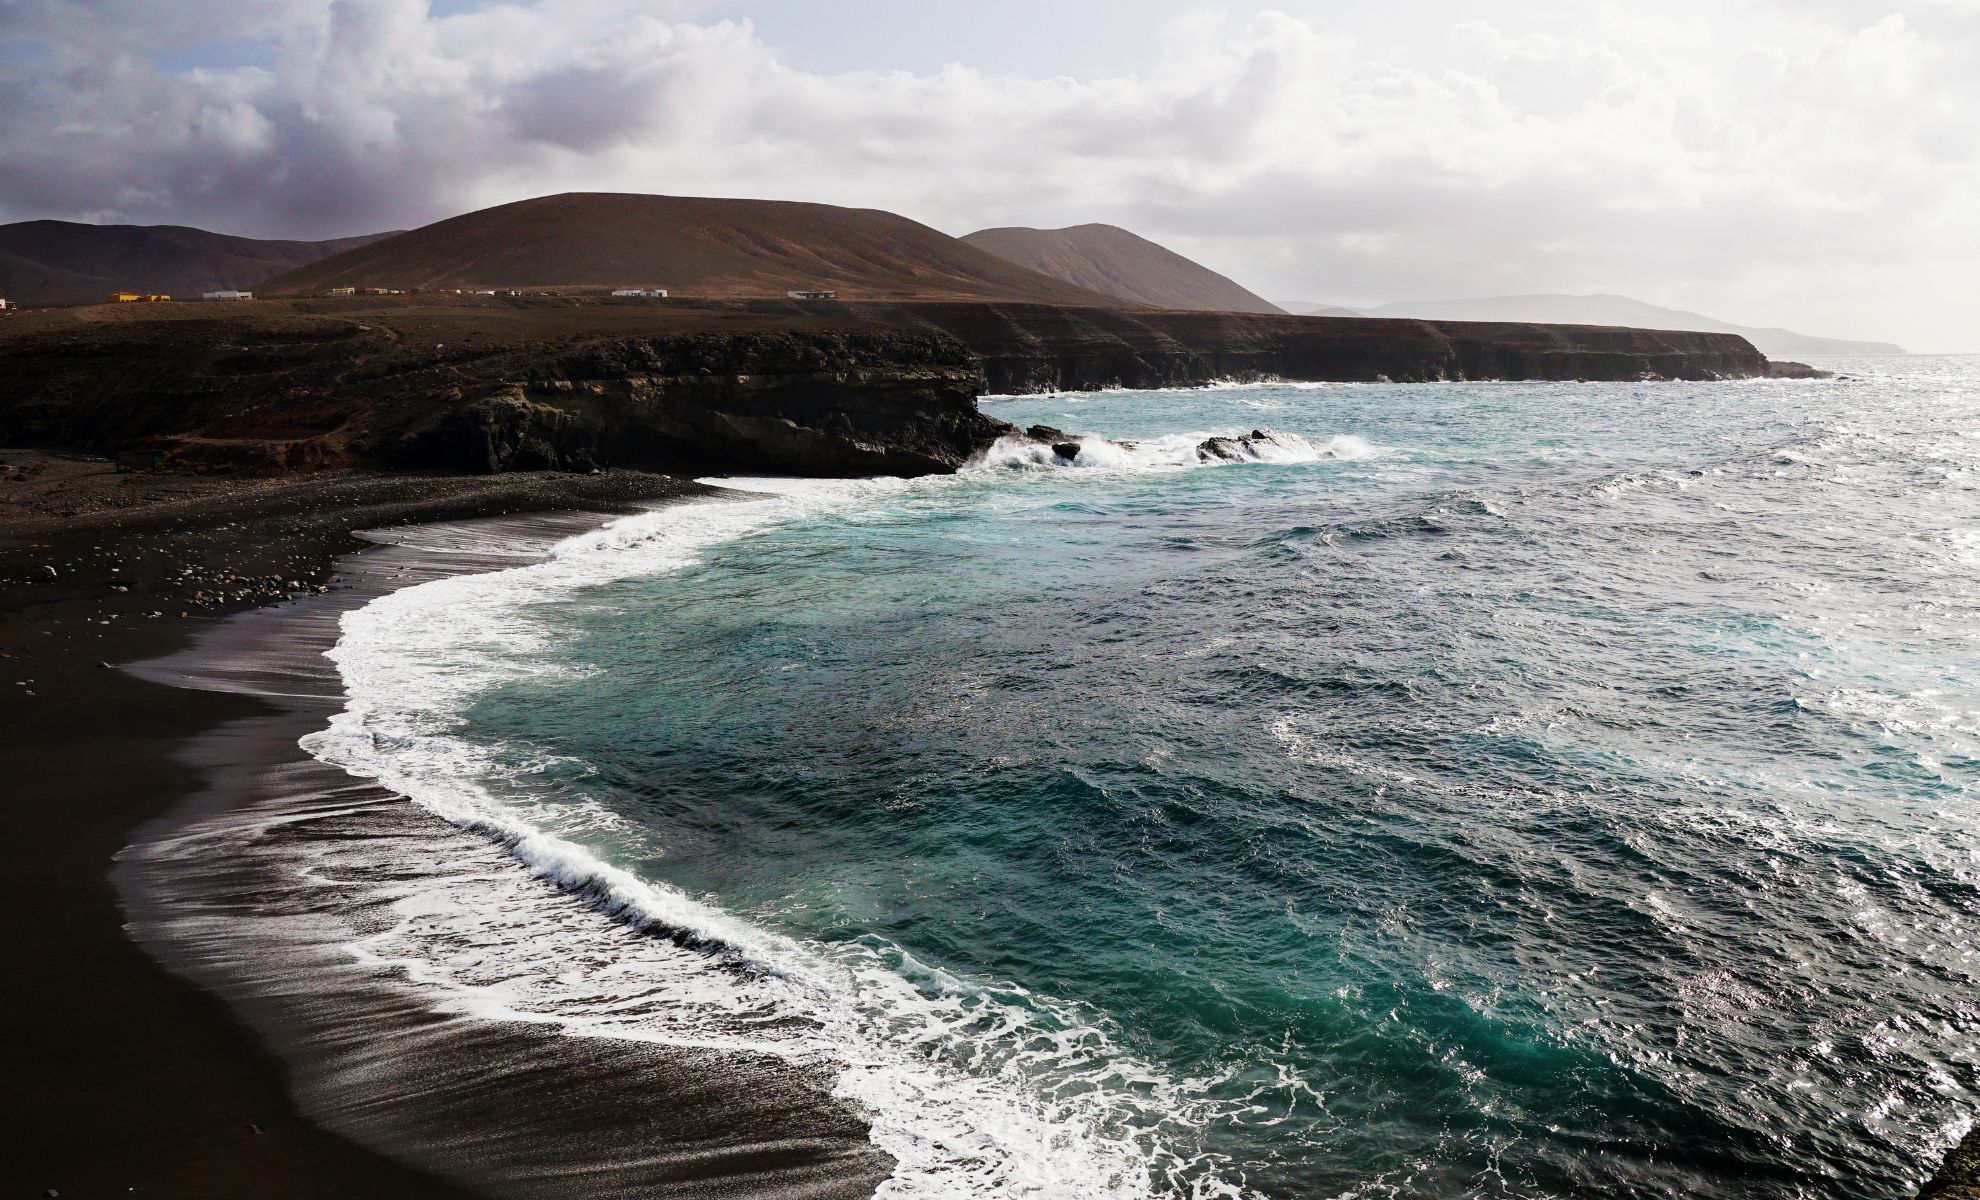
[975,1088]
[1174,452]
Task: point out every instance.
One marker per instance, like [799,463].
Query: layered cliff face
[814,404]
[1032,348]
[289,388]
[489,384]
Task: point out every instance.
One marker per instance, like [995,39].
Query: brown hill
[690,246]
[1107,258]
[61,262]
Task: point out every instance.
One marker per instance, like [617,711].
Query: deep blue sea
[1509,789]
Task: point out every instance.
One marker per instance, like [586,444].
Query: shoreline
[138,1079]
[141,1080]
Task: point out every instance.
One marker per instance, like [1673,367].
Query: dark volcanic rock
[1225,448]
[289,387]
[1795,370]
[493,384]
[818,404]
[1034,348]
[1958,1176]
[1244,448]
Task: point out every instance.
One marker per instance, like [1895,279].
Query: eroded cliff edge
[1031,348]
[491,384]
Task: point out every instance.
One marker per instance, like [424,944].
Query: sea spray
[1566,771]
[1049,1101]
[1176,451]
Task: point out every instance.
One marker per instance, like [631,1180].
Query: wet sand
[308,1078]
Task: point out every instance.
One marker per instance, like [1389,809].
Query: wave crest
[1170,452]
[975,1089]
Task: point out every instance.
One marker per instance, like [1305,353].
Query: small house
[226,295]
[134,298]
[813,295]
[648,293]
[5,305]
[349,291]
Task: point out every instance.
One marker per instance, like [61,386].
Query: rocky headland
[1034,348]
[491,384]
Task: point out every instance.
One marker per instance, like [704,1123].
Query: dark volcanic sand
[127,1079]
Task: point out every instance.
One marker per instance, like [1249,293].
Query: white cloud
[1734,155]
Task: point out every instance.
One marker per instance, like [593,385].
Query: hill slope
[1314,308]
[692,246]
[1107,258]
[61,262]
[1621,310]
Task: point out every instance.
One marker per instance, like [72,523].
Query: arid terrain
[63,262]
[687,245]
[1109,259]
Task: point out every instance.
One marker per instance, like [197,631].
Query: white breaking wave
[1175,451]
[975,1089]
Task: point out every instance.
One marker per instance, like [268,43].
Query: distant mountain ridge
[64,262]
[1309,308]
[1603,309]
[692,246]
[1107,258]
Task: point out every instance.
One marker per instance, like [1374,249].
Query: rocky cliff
[494,384]
[281,388]
[1030,348]
[815,404]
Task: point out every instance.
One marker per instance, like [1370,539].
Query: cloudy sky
[1809,163]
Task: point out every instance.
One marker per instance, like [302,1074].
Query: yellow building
[135,298]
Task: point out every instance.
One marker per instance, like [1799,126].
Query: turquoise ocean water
[1534,790]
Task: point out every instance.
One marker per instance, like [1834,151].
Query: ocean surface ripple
[1544,790]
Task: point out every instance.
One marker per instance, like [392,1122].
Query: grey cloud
[1322,160]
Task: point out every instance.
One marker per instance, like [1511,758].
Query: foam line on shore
[971,1088]
[267,886]
[1049,1100]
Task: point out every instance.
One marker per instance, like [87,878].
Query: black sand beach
[131,1079]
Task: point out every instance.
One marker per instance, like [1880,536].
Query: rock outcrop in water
[1958,1175]
[1250,447]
